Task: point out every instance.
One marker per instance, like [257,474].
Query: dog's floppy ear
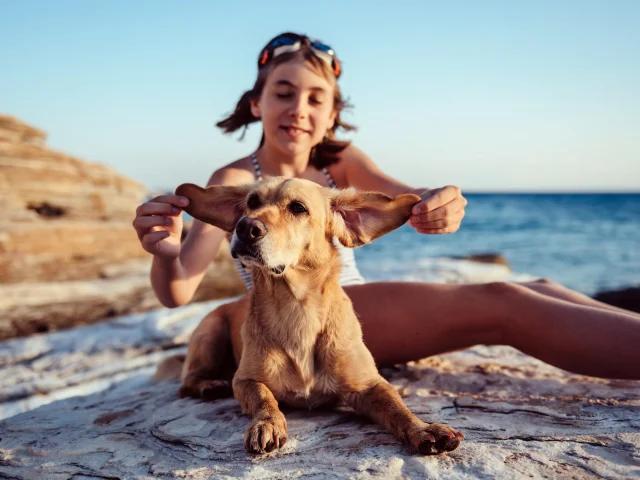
[219,205]
[361,217]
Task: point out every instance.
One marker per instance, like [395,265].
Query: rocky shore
[81,404]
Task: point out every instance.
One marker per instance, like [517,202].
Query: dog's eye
[253,202]
[297,208]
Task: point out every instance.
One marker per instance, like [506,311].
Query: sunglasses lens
[323,48]
[283,40]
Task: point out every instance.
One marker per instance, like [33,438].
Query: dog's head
[279,223]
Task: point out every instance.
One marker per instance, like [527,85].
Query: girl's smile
[294,131]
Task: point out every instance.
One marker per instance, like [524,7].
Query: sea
[587,242]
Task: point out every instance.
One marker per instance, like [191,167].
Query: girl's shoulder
[237,172]
[351,159]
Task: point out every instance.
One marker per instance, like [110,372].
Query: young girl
[297,99]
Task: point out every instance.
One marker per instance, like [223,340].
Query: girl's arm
[440,211]
[175,281]
[357,170]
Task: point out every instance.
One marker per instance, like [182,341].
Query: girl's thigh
[403,321]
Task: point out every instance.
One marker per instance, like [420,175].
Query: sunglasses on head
[291,43]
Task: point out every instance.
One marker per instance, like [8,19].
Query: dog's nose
[250,229]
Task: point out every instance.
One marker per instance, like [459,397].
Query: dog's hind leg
[209,366]
[170,369]
[383,405]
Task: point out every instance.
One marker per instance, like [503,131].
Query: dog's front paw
[266,434]
[434,438]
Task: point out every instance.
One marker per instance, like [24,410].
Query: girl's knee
[548,283]
[501,289]
[545,285]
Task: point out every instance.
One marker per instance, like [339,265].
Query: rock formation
[68,252]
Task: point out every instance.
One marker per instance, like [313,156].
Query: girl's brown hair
[326,152]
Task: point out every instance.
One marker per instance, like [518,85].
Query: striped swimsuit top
[349,274]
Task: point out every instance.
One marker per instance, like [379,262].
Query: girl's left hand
[440,211]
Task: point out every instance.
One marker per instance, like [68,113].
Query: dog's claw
[434,439]
[264,436]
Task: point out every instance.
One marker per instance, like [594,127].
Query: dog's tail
[170,369]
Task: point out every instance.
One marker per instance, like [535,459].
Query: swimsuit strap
[256,166]
[332,184]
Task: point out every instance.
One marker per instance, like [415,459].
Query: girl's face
[296,107]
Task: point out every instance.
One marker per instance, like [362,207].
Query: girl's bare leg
[552,289]
[405,321]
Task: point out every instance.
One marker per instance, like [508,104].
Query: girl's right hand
[158,224]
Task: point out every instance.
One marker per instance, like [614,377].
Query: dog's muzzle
[248,233]
[250,230]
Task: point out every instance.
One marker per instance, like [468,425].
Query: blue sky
[487,95]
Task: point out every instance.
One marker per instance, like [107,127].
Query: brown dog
[301,342]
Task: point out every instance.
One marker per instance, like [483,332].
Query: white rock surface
[80,404]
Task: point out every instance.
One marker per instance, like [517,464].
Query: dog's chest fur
[302,381]
[295,365]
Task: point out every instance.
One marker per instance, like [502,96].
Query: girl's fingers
[153,208]
[175,200]
[436,231]
[454,219]
[145,223]
[443,212]
[436,198]
[150,239]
